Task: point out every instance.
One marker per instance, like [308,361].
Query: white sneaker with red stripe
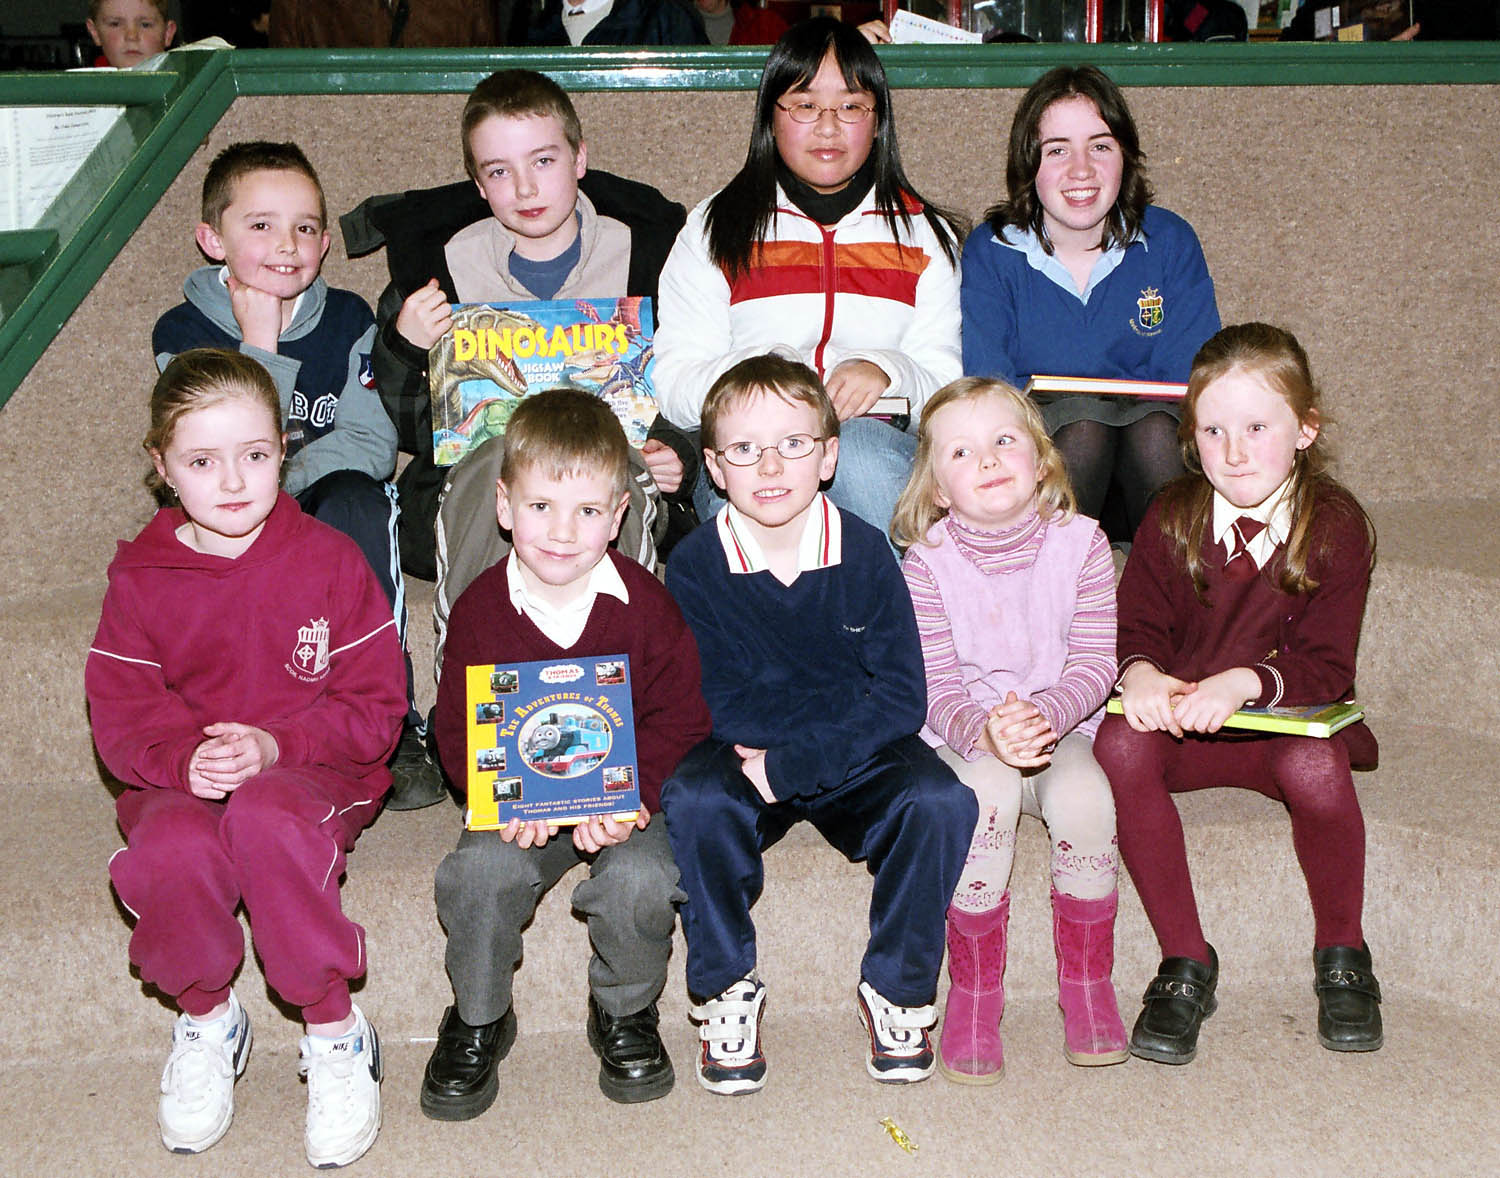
[900,1048]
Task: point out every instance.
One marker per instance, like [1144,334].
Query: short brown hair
[563,432]
[787,379]
[517,94]
[159,5]
[238,160]
[196,379]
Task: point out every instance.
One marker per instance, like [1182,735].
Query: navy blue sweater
[821,673]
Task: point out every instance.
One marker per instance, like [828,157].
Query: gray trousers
[488,889]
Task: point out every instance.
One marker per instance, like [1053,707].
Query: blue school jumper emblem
[1150,308]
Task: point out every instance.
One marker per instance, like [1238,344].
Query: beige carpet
[1409,357]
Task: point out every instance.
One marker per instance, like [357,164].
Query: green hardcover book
[1321,720]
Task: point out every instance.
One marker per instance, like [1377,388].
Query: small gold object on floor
[898,1135]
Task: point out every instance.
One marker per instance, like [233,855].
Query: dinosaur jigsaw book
[497,353]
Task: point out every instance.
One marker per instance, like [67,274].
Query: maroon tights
[1309,776]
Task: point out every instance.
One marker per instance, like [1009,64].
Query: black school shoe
[633,1061]
[416,781]
[1348,999]
[1177,1001]
[460,1082]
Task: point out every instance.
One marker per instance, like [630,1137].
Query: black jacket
[414,227]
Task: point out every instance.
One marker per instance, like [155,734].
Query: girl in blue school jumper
[1076,273]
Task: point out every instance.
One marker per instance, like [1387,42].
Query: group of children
[790,669]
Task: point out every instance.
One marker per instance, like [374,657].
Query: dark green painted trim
[123,88]
[387,71]
[206,91]
[186,98]
[21,247]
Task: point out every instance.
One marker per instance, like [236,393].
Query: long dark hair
[1022,207]
[739,216]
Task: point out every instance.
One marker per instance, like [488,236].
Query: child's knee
[1126,756]
[938,797]
[169,821]
[485,869]
[1313,772]
[637,891]
[697,790]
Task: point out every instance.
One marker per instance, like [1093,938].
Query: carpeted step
[1433,856]
[44,642]
[1261,1098]
[1431,634]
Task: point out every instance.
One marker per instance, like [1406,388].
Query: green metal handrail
[174,108]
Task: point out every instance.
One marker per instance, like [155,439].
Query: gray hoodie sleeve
[363,437]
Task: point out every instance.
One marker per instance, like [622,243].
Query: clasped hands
[1153,701]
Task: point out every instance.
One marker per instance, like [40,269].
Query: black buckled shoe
[1348,999]
[460,1082]
[1177,1001]
[633,1061]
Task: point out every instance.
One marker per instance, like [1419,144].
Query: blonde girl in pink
[1015,603]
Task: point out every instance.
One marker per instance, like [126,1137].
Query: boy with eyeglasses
[813,674]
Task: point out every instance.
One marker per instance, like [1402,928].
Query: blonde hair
[563,432]
[917,509]
[1274,357]
[787,379]
[198,379]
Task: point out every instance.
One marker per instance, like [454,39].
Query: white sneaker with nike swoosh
[197,1085]
[343,1094]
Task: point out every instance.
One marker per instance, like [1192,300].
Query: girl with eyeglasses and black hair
[820,250]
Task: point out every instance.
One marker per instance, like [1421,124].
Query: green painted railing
[45,274]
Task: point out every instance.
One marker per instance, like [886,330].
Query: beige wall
[1362,218]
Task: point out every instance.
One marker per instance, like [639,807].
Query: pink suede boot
[970,1051]
[1083,932]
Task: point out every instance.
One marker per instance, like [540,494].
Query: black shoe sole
[403,800]
[461,1108]
[1168,1057]
[1337,1045]
[639,1091]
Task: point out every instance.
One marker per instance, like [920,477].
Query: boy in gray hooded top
[264,221]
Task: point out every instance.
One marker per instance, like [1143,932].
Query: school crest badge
[1150,305]
[310,653]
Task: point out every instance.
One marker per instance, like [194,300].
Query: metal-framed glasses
[791,447]
[811,112]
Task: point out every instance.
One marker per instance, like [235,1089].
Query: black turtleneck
[827,208]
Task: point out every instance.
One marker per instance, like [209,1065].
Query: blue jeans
[874,463]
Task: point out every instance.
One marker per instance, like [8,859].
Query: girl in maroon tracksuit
[1245,588]
[246,683]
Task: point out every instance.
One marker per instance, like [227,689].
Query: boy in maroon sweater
[561,594]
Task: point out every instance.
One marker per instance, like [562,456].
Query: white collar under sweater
[564,624]
[821,545]
[1275,512]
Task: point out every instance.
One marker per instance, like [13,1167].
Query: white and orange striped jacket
[820,294]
